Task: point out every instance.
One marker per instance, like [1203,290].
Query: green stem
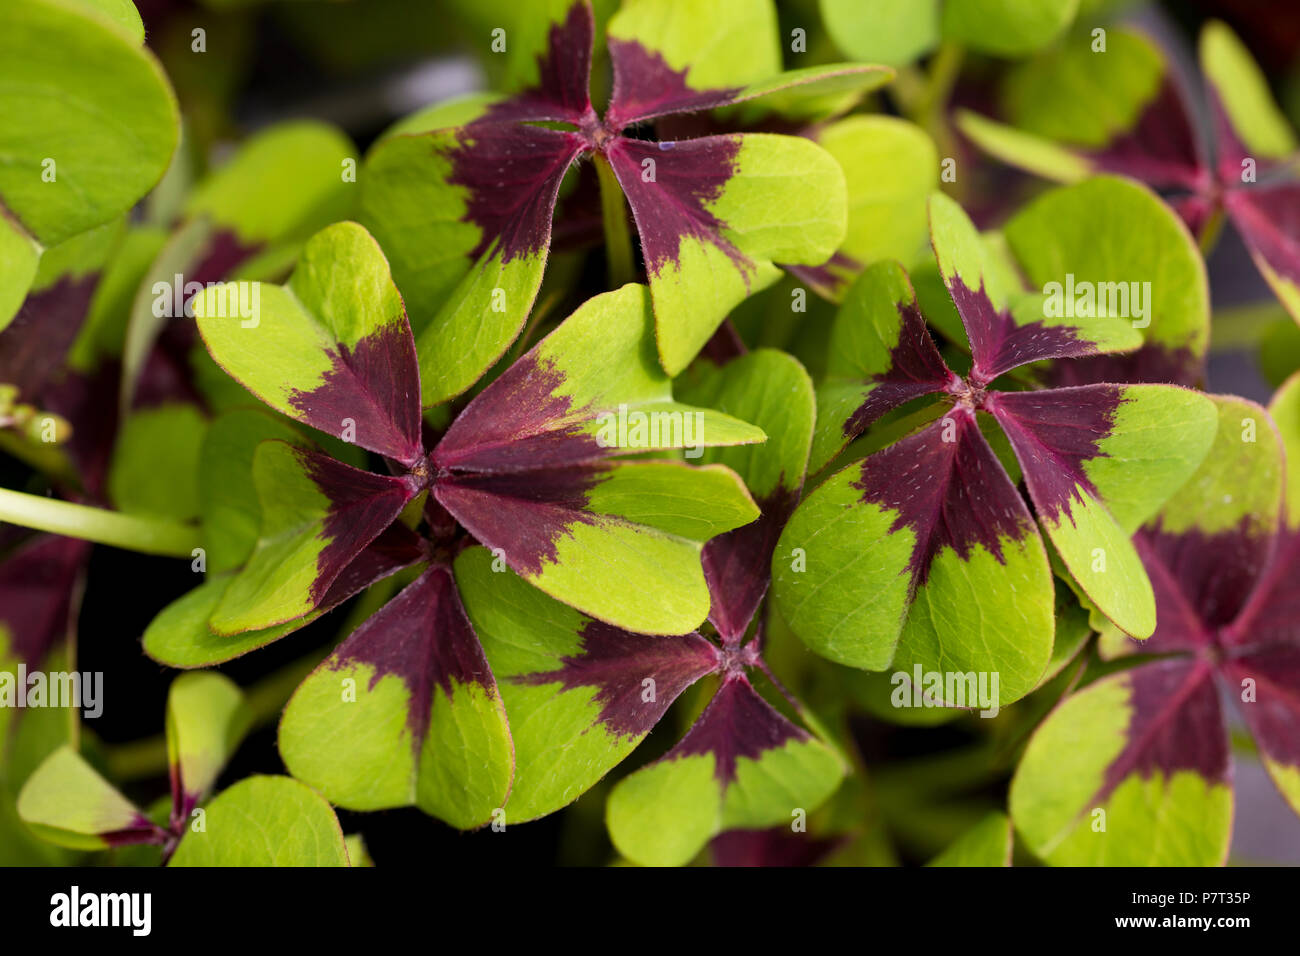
[930,108]
[133,532]
[1210,231]
[613,211]
[944,68]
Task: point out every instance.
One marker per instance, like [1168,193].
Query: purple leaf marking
[1161,148]
[1150,363]
[915,369]
[673,206]
[35,343]
[1175,724]
[1211,576]
[775,847]
[361,506]
[616,662]
[424,637]
[645,86]
[1053,433]
[999,343]
[512,175]
[396,547]
[1268,219]
[517,423]
[376,384]
[1274,715]
[952,493]
[38,587]
[737,723]
[523,514]
[563,72]
[89,403]
[738,565]
[1272,615]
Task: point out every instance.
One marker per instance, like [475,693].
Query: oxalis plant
[658,441]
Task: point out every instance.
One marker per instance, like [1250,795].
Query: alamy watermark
[1087,300]
[923,688]
[241,300]
[25,688]
[133,911]
[633,428]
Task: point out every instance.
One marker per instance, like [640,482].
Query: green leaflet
[720,43]
[20,255]
[282,185]
[1035,154]
[863,594]
[1241,481]
[80,258]
[368,761]
[155,466]
[849,600]
[563,738]
[457,111]
[1100,557]
[652,536]
[308,348]
[867,329]
[813,92]
[465,309]
[25,742]
[527,27]
[405,712]
[899,31]
[981,615]
[692,503]
[91,121]
[1109,230]
[1007,27]
[66,802]
[695,292]
[227,495]
[894,32]
[265,821]
[965,258]
[1148,819]
[987,843]
[358,852]
[1285,409]
[620,327]
[121,12]
[666,812]
[1243,90]
[206,720]
[1061,95]
[772,390]
[1160,435]
[890,166]
[180,636]
[290,569]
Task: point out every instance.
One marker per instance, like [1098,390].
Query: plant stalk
[132,532]
[613,212]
